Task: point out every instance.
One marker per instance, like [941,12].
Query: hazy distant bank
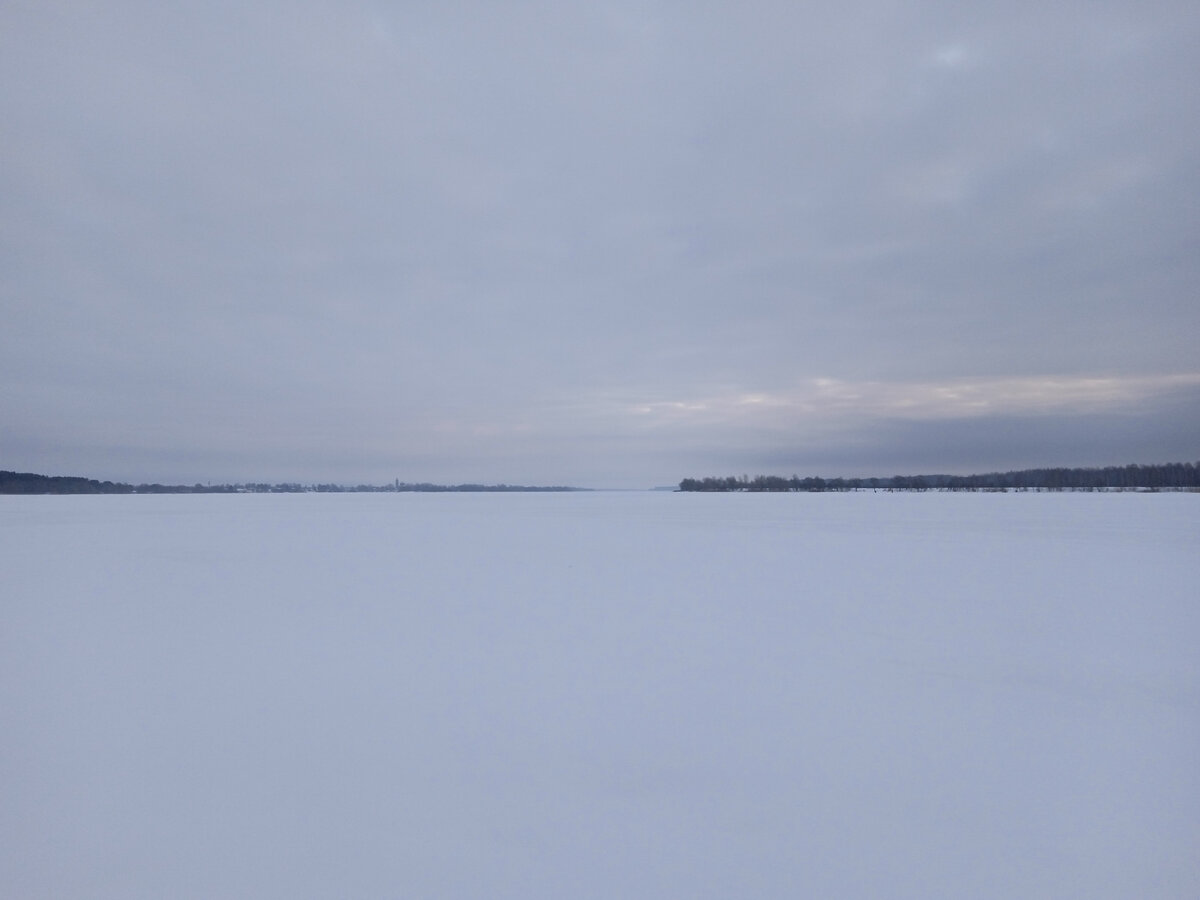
[30,483]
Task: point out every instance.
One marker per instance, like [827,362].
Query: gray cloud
[359,241]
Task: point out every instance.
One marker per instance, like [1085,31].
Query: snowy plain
[600,695]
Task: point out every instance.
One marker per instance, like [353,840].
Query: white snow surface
[600,695]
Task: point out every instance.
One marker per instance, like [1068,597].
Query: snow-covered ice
[599,695]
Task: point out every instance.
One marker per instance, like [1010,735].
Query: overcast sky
[609,244]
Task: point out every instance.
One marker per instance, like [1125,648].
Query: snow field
[600,695]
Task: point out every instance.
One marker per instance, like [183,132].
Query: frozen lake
[633,695]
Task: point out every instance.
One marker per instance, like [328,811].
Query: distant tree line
[1170,476]
[29,483]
